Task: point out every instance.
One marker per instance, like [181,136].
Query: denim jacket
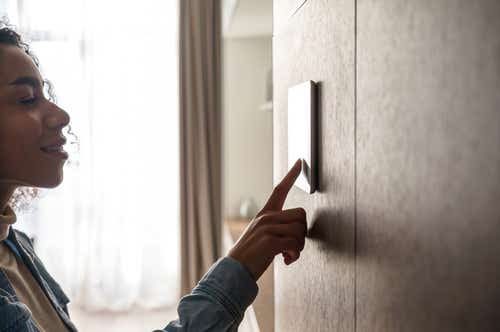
[217,303]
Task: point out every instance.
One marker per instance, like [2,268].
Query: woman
[31,153]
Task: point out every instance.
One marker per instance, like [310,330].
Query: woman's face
[29,123]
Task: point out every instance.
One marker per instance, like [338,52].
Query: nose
[57,118]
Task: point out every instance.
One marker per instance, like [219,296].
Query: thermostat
[302,132]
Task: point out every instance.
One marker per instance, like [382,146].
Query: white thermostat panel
[302,132]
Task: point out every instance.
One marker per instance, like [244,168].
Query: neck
[6,191]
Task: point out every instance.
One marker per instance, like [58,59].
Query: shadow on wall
[322,185]
[332,231]
[427,276]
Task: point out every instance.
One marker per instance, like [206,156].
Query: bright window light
[109,232]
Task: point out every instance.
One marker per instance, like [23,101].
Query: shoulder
[23,236]
[25,241]
[27,244]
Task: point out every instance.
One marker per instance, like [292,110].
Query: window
[109,232]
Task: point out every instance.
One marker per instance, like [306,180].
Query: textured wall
[428,165]
[316,43]
[405,229]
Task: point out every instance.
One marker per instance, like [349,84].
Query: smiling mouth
[55,151]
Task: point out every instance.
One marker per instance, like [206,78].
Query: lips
[56,148]
[52,149]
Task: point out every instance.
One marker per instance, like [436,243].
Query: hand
[273,230]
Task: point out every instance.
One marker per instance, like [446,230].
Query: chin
[52,182]
[44,178]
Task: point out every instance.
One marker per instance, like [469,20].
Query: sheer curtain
[109,233]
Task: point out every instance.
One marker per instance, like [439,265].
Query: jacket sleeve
[219,300]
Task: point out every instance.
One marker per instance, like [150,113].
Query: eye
[29,101]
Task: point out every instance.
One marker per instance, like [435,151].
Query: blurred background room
[147,92]
[248,126]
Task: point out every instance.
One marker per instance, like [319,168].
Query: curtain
[110,232]
[200,149]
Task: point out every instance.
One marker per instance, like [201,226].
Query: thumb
[290,256]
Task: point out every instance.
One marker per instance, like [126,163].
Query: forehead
[14,63]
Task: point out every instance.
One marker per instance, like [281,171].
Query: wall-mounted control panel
[302,133]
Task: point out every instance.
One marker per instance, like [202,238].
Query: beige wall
[247,135]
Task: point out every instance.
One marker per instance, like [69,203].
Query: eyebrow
[27,80]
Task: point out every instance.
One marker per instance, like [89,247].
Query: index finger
[278,196]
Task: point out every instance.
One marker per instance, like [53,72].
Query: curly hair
[22,197]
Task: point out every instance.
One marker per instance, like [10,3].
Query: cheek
[32,132]
[20,138]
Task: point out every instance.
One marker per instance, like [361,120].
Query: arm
[219,300]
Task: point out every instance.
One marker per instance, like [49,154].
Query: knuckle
[303,229]
[278,189]
[259,232]
[302,213]
[263,231]
[266,238]
[276,245]
[266,217]
[296,230]
[297,245]
[292,243]
[262,220]
[300,230]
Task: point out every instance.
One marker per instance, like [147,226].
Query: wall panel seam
[355,159]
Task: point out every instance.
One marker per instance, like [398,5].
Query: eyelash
[30,101]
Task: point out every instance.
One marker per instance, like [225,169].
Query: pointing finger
[278,196]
